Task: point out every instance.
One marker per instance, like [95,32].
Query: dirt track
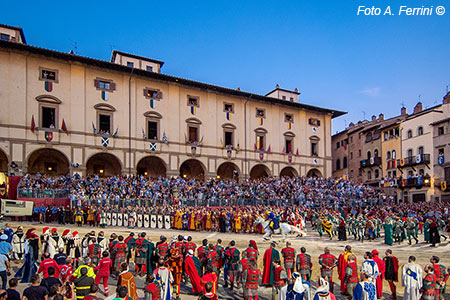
[313,243]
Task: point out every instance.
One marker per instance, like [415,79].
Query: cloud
[372,92]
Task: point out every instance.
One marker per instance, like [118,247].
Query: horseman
[274,223]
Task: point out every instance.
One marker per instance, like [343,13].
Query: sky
[361,64]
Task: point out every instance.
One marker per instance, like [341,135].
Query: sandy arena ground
[313,243]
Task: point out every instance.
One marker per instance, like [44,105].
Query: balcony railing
[413,160]
[373,161]
[44,194]
[420,181]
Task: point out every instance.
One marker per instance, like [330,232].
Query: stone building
[340,154]
[65,113]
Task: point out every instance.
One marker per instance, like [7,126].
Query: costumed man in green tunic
[388,232]
[411,230]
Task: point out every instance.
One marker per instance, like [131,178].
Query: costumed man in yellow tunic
[238,223]
[178,224]
[192,221]
[91,216]
[327,226]
[208,222]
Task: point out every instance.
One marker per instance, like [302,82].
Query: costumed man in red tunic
[252,251]
[103,270]
[289,259]
[269,256]
[152,290]
[210,276]
[193,270]
[382,269]
[342,265]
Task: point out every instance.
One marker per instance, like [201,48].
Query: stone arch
[314,173]
[228,171]
[48,161]
[288,172]
[3,161]
[193,168]
[151,166]
[103,164]
[259,171]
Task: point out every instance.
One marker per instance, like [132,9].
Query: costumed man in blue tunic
[29,266]
[298,290]
[365,289]
[274,224]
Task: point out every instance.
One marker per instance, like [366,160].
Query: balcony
[418,182]
[373,161]
[413,160]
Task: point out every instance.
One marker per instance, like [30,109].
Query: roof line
[135,56]
[164,77]
[22,35]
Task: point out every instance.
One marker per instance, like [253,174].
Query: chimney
[278,86]
[238,89]
[403,111]
[418,107]
[296,90]
[446,99]
[374,118]
[381,117]
[351,124]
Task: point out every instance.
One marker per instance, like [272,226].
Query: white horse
[284,229]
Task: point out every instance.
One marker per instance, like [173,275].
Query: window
[375,153]
[106,85]
[344,162]
[314,122]
[421,172]
[420,150]
[420,130]
[359,153]
[48,75]
[149,69]
[389,174]
[386,135]
[410,173]
[288,145]
[338,145]
[292,99]
[394,154]
[359,172]
[288,118]
[338,164]
[152,130]
[377,173]
[4,37]
[104,123]
[369,154]
[369,175]
[409,134]
[351,174]
[260,139]
[48,117]
[410,152]
[260,113]
[193,134]
[152,93]
[193,101]
[228,138]
[394,173]
[228,107]
[130,64]
[283,97]
[314,149]
[441,130]
[388,155]
[441,151]
[351,155]
[351,139]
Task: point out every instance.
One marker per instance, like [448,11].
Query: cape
[191,270]
[269,256]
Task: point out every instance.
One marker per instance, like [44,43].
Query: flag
[152,103]
[64,127]
[93,128]
[153,146]
[260,121]
[105,95]
[284,151]
[268,150]
[165,141]
[116,132]
[255,146]
[33,125]
[289,125]
[193,109]
[143,134]
[296,153]
[228,115]
[105,141]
